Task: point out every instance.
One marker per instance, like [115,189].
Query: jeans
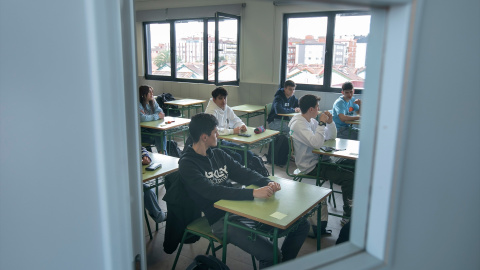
[346,133]
[150,203]
[262,247]
[160,142]
[276,124]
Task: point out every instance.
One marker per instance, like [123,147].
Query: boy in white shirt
[309,134]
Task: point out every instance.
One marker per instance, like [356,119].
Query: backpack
[256,163]
[280,151]
[204,262]
[172,149]
[161,99]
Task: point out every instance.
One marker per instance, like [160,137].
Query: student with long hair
[150,111]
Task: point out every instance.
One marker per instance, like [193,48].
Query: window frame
[173,62]
[329,49]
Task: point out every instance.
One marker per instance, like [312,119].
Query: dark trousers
[340,176]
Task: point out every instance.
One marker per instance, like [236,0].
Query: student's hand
[297,109]
[330,117]
[236,130]
[146,160]
[263,192]
[275,186]
[243,128]
[323,117]
[161,115]
[358,102]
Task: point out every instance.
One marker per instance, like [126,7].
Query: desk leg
[273,156]
[319,226]
[275,246]
[225,228]
[248,114]
[265,118]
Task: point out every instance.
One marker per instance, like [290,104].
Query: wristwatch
[322,123]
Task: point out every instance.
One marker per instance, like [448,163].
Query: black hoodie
[204,178]
[282,104]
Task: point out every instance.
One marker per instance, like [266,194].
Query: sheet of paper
[278,215]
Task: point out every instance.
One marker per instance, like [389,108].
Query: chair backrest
[268,106]
[291,152]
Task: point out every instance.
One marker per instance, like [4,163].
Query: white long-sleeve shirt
[306,137]
[227,119]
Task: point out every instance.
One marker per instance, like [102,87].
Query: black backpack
[173,149]
[161,99]
[204,262]
[280,151]
[256,163]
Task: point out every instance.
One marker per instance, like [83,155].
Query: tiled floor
[237,259]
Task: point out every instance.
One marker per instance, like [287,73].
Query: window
[323,50]
[191,46]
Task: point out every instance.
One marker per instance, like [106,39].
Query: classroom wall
[260,52]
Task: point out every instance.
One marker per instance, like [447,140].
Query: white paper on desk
[278,215]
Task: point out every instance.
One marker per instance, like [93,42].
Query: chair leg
[254,263]
[212,247]
[179,250]
[148,224]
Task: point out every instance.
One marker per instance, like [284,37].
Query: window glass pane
[211,50]
[306,50]
[189,49]
[227,49]
[159,63]
[350,49]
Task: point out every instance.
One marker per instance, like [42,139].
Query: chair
[298,175]
[200,227]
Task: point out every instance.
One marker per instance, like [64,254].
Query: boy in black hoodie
[204,172]
[284,101]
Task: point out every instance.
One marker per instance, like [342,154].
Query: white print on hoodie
[227,120]
[306,137]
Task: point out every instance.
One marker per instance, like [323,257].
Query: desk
[288,115]
[185,104]
[169,165]
[179,125]
[251,142]
[252,111]
[291,115]
[295,200]
[351,148]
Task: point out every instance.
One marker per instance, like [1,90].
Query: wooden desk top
[289,204]
[169,165]
[351,148]
[185,102]
[249,140]
[248,108]
[293,114]
[353,122]
[162,125]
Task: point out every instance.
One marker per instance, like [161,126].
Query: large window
[323,50]
[200,50]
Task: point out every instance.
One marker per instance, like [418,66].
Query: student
[343,110]
[149,197]
[204,172]
[309,134]
[228,122]
[284,101]
[150,111]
